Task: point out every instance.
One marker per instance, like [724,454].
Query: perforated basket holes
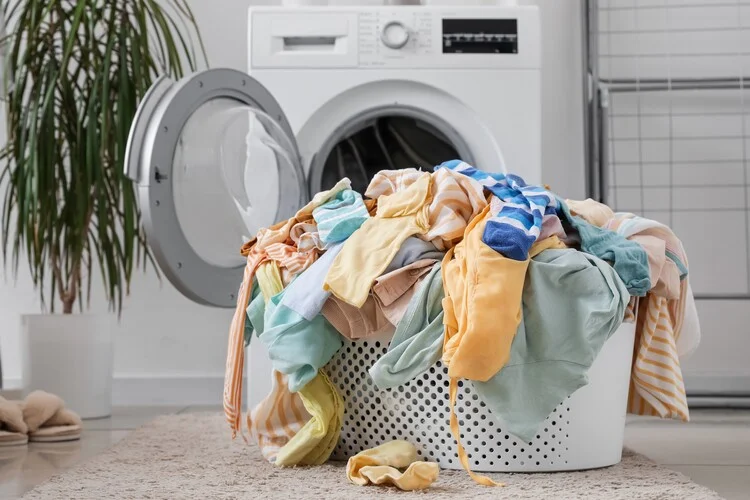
[419,412]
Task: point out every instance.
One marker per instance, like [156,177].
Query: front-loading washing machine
[330,92]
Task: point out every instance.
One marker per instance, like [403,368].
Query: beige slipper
[13,430]
[48,420]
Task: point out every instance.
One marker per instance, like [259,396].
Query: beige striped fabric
[387,182]
[236,349]
[456,199]
[630,310]
[276,419]
[290,260]
[657,387]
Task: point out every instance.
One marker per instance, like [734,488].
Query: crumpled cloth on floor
[380,465]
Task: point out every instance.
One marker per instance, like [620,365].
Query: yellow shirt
[482,305]
[370,249]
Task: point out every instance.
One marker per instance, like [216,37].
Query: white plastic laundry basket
[585,431]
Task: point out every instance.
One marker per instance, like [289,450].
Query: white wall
[169,350]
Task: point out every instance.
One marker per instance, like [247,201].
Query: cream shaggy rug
[192,456]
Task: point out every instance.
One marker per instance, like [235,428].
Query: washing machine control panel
[396,37]
[387,36]
[447,38]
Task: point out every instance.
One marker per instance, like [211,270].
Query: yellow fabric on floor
[482,305]
[380,465]
[367,252]
[314,443]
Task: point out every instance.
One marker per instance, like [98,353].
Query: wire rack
[671,126]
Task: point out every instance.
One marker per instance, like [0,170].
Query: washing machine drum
[385,142]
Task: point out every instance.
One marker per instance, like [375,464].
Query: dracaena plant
[74,72]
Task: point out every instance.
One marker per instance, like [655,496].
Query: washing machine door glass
[215,160]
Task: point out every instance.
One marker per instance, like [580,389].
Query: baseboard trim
[706,385]
[153,390]
[188,389]
[718,402]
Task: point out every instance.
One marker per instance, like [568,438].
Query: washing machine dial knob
[395,34]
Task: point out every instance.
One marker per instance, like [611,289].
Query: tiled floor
[714,449]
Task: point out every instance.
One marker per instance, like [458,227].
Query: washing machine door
[214,159]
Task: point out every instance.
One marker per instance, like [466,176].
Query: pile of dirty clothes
[512,287]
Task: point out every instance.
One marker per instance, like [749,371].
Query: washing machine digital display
[480,36]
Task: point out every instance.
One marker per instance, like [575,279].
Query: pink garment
[393,291]
[551,226]
[591,211]
[663,272]
[356,323]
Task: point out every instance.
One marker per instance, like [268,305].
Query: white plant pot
[70,355]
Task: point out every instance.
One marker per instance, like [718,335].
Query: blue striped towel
[519,223]
[338,218]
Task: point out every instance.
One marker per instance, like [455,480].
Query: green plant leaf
[79,69]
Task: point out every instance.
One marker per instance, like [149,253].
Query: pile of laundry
[509,285]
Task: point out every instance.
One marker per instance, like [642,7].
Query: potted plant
[74,74]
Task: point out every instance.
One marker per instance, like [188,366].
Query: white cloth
[305,295]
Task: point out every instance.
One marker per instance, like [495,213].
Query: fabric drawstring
[483,480]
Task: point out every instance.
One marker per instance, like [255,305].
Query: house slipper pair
[13,430]
[41,417]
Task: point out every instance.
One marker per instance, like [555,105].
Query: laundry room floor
[713,449]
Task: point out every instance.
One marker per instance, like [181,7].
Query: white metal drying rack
[600,91]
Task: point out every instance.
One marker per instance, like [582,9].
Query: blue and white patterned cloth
[513,230]
[338,218]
